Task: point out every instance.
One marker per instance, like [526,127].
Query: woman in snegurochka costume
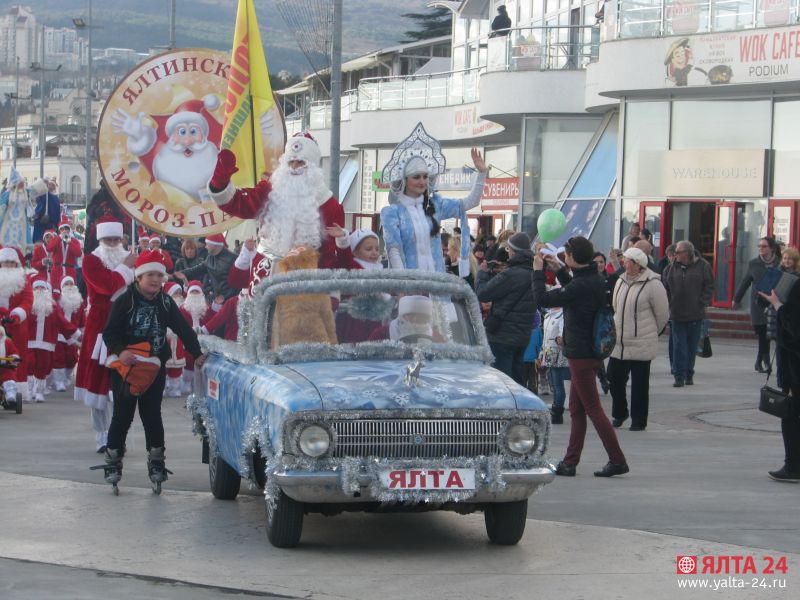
[142,314]
[411,222]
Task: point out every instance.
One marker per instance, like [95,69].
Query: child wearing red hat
[177,362]
[140,315]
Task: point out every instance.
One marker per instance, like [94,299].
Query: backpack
[604,332]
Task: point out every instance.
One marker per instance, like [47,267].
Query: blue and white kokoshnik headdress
[418,153]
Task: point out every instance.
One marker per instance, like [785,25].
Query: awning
[370,61]
[297,88]
[477,9]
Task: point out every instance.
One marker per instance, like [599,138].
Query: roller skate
[112,469]
[156,469]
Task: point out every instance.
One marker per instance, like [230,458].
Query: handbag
[492,323]
[774,401]
[704,347]
[141,375]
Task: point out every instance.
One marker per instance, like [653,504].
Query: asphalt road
[697,486]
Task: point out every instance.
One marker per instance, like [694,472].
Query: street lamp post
[16,112]
[42,137]
[80,23]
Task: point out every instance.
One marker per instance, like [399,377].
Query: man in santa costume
[16,298]
[226,319]
[155,244]
[293,207]
[177,361]
[45,324]
[8,375]
[107,272]
[40,259]
[66,357]
[197,313]
[65,252]
[143,239]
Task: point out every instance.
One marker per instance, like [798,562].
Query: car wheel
[505,521]
[224,480]
[284,521]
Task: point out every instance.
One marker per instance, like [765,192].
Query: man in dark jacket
[690,284]
[512,307]
[216,266]
[142,314]
[581,295]
[501,25]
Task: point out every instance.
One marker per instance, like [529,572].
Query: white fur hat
[359,235]
[40,283]
[414,304]
[107,229]
[39,188]
[67,279]
[9,255]
[636,256]
[301,146]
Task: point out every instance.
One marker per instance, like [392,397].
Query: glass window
[786,144]
[686,16]
[504,160]
[474,28]
[774,13]
[581,217]
[640,18]
[646,137]
[460,31]
[458,58]
[727,15]
[524,12]
[602,236]
[601,169]
[730,124]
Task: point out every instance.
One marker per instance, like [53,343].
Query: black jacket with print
[124,321]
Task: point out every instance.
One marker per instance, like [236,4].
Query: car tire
[505,521]
[224,480]
[284,521]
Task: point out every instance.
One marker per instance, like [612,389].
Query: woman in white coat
[641,311]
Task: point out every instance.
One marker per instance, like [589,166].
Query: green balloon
[82,215]
[551,224]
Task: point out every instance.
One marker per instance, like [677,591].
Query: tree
[431,24]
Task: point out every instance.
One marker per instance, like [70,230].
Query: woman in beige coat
[641,311]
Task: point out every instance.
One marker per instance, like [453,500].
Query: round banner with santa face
[158,139]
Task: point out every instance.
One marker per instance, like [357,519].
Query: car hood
[373,384]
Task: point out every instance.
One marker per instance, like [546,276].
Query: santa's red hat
[171,288]
[150,261]
[301,146]
[215,240]
[194,286]
[65,223]
[195,112]
[48,233]
[67,279]
[41,283]
[142,234]
[107,227]
[12,254]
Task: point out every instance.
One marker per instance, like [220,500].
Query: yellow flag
[249,98]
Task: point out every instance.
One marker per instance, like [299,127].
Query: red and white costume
[291,212]
[103,286]
[66,356]
[177,360]
[16,298]
[39,257]
[45,323]
[64,254]
[227,319]
[197,317]
[7,375]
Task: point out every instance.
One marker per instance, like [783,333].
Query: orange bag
[142,373]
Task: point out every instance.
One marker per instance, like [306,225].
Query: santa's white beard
[179,300]
[42,303]
[110,256]
[291,217]
[12,280]
[196,305]
[70,299]
[187,173]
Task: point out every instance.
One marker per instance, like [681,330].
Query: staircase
[730,324]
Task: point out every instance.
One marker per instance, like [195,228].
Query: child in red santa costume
[40,259]
[7,374]
[197,313]
[227,318]
[177,361]
[16,298]
[66,357]
[293,208]
[45,324]
[65,252]
[107,272]
[155,244]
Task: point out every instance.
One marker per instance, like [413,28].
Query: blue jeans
[557,376]
[508,359]
[685,336]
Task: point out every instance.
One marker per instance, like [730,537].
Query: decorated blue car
[373,391]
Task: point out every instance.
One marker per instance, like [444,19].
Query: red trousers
[40,363]
[584,401]
[66,356]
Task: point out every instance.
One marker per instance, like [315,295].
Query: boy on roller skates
[142,314]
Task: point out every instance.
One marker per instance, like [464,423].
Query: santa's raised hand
[226,167]
[141,136]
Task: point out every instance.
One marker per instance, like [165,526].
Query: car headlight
[520,439]
[314,441]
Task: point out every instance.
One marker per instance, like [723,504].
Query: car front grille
[417,438]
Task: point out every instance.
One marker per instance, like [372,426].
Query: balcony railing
[654,18]
[543,48]
[419,91]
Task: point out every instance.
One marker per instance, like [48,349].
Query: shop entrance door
[656,217]
[784,222]
[724,266]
